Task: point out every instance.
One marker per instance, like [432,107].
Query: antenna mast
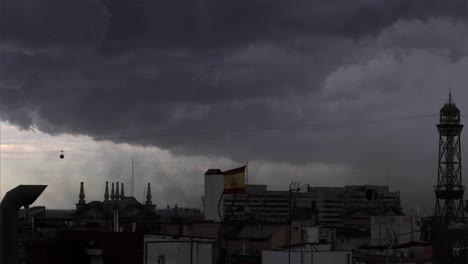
[387,180]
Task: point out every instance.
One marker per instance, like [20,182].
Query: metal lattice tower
[449,190]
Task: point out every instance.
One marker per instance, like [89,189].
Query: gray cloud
[120,25]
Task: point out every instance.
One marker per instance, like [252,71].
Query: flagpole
[247,173]
[1,184]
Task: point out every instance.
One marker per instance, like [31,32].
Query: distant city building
[323,205]
[177,213]
[40,223]
[269,205]
[117,212]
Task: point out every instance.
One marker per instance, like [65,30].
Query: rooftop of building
[42,212]
[259,188]
[190,214]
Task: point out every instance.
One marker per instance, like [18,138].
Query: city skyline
[324,93]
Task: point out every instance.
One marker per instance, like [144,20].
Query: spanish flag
[234,180]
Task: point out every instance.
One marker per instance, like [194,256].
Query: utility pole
[296,187]
[132,176]
[289,225]
[1,185]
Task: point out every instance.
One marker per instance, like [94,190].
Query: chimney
[117,192]
[122,194]
[106,193]
[112,192]
[82,195]
[148,195]
[23,195]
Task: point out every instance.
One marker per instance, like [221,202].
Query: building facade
[328,205]
[117,212]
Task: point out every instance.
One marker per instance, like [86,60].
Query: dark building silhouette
[114,230]
[83,247]
[21,196]
[120,213]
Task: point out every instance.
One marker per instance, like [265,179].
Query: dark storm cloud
[218,77]
[124,24]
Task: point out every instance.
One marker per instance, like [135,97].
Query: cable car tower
[449,190]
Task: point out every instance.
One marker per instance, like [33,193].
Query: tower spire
[122,194]
[148,195]
[449,189]
[450,94]
[106,192]
[82,194]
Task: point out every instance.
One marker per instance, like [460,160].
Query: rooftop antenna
[158,173]
[417,209]
[1,160]
[450,93]
[247,173]
[132,176]
[164,189]
[387,179]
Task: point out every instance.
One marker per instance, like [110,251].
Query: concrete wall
[281,238]
[214,185]
[176,251]
[205,230]
[335,257]
[280,257]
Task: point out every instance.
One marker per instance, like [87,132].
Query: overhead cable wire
[240,132]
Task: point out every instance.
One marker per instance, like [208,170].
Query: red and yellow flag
[234,180]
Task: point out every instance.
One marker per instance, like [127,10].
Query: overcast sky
[325,92]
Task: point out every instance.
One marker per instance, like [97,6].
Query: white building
[168,250]
[214,186]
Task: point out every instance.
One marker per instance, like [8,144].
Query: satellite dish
[61,154]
